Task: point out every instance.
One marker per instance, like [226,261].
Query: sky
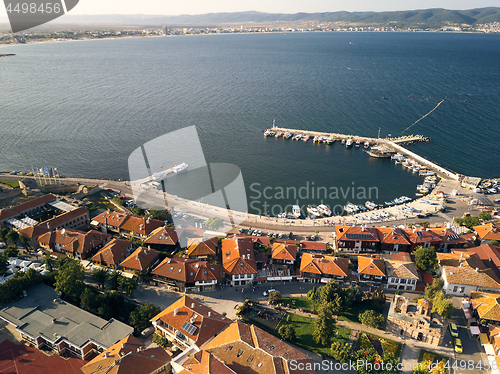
[166,7]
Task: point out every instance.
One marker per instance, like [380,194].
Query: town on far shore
[92,283]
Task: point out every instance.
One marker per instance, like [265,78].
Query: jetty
[7,54]
[407,139]
[395,144]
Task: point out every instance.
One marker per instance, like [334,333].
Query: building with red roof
[393,239]
[187,322]
[113,253]
[449,239]
[314,247]
[319,268]
[284,255]
[487,232]
[489,255]
[183,274]
[356,239]
[126,224]
[402,272]
[202,248]
[238,260]
[421,237]
[142,260]
[163,238]
[25,209]
[74,243]
[371,269]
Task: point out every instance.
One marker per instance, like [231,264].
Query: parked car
[266,293]
[458,346]
[453,330]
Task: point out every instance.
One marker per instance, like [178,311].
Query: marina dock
[393,143]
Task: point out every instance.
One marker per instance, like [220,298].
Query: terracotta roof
[202,247]
[371,266]
[208,322]
[33,232]
[355,233]
[7,213]
[63,218]
[187,270]
[73,240]
[249,350]
[205,363]
[113,252]
[313,246]
[486,304]
[141,259]
[468,276]
[128,356]
[238,256]
[286,252]
[448,236]
[420,236]
[319,264]
[489,254]
[127,222]
[460,258]
[162,235]
[390,235]
[400,265]
[487,232]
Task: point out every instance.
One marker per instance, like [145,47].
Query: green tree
[140,316]
[48,261]
[468,222]
[341,351]
[4,263]
[159,340]
[442,305]
[159,213]
[311,295]
[214,223]
[432,289]
[60,261]
[12,236]
[355,294]
[118,201]
[485,216]
[426,258]
[3,234]
[324,326]
[11,251]
[287,332]
[362,358]
[114,279]
[494,242]
[128,285]
[372,319]
[390,364]
[24,240]
[275,296]
[69,281]
[139,274]
[90,300]
[100,274]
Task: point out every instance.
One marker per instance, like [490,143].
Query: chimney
[123,345]
[192,305]
[209,314]
[106,354]
[477,269]
[461,254]
[176,311]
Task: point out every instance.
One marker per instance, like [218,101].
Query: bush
[287,332]
[275,296]
[160,340]
[372,319]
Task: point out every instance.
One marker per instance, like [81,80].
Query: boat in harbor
[287,135]
[296,211]
[305,138]
[371,205]
[313,211]
[324,210]
[267,133]
[380,151]
[348,143]
[351,208]
[358,143]
[278,134]
[180,168]
[315,139]
[366,145]
[330,140]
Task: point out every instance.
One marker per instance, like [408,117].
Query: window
[205,272]
[250,359]
[462,289]
[402,280]
[240,352]
[455,289]
[191,274]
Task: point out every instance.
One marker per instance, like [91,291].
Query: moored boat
[323,209]
[296,211]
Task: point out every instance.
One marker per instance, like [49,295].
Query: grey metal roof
[42,313]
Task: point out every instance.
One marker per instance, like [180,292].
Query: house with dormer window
[238,261]
[356,239]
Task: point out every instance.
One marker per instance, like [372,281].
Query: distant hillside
[422,18]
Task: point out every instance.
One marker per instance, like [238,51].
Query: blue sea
[84,106]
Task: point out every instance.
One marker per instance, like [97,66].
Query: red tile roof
[249,350]
[73,241]
[205,363]
[448,236]
[162,235]
[371,266]
[488,232]
[141,259]
[113,252]
[400,265]
[202,247]
[282,251]
[355,233]
[460,257]
[390,235]
[187,270]
[313,246]
[33,232]
[7,213]
[489,254]
[238,256]
[127,222]
[66,217]
[320,264]
[421,235]
[208,322]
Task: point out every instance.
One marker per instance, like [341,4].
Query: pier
[394,143]
[408,139]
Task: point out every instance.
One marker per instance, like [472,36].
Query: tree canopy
[426,258]
[69,280]
[372,319]
[324,325]
[214,223]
